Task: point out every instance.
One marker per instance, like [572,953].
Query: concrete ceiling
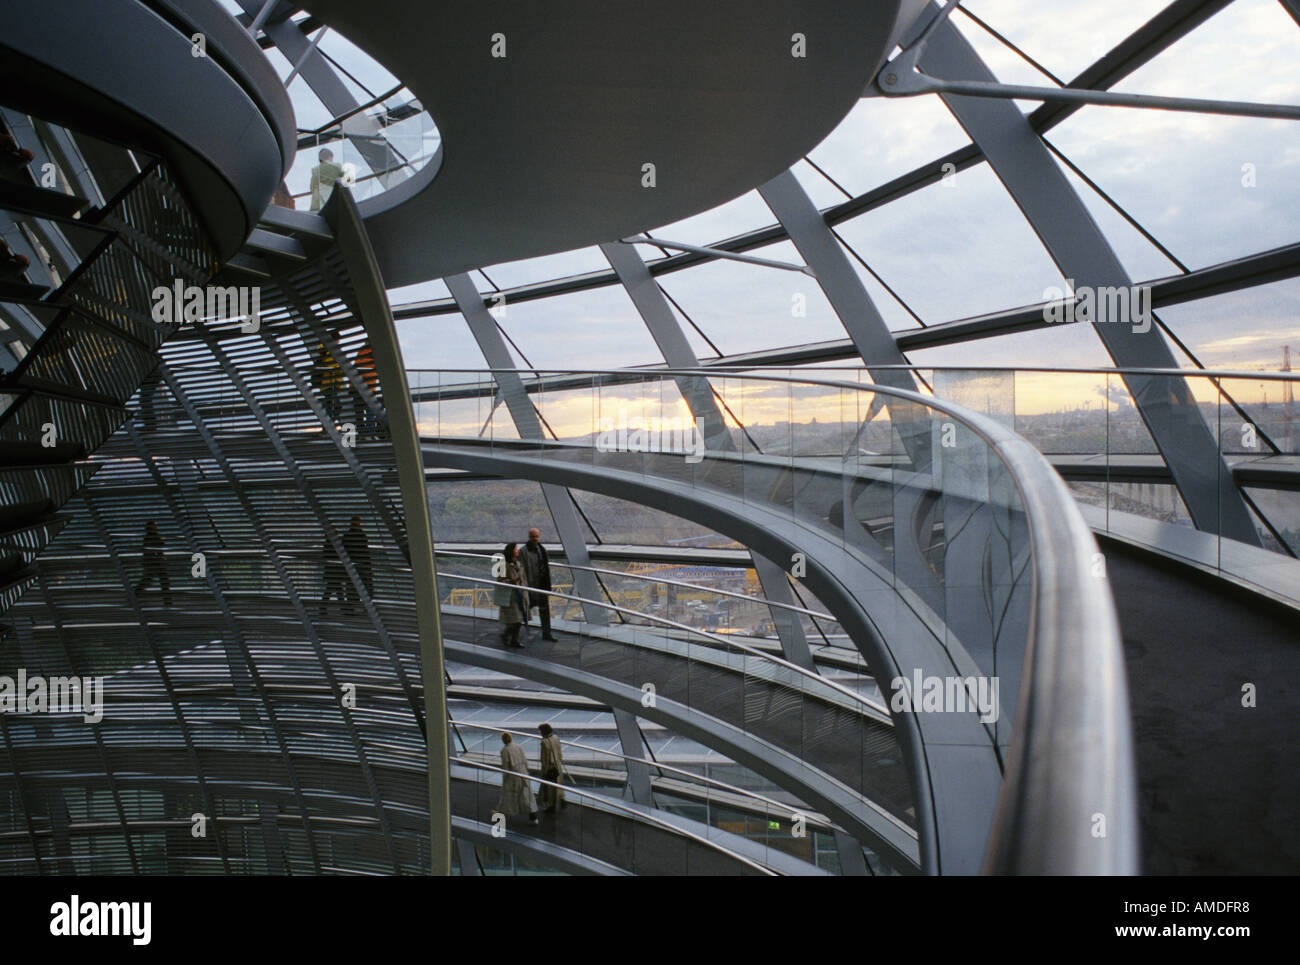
[543,149]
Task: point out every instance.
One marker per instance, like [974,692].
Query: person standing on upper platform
[323,176]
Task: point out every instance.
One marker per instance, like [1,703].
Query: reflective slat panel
[47,487]
[92,359]
[78,331]
[80,425]
[224,667]
[30,540]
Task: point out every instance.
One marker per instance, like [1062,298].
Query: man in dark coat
[357,546]
[334,576]
[537,568]
[154,565]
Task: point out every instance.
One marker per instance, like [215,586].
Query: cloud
[954,252]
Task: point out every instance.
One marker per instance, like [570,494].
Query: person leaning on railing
[13,266]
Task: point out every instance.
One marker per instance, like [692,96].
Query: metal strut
[903,77]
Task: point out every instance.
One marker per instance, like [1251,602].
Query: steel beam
[325,84]
[1040,189]
[667,333]
[372,300]
[875,344]
[467,855]
[639,789]
[484,329]
[836,277]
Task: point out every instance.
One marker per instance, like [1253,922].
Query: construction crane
[1288,405]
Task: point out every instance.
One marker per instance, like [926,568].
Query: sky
[1210,188]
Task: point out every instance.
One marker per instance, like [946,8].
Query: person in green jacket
[323,177]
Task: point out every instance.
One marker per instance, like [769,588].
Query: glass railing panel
[756,692]
[1258,416]
[919,494]
[463,403]
[376,147]
[564,408]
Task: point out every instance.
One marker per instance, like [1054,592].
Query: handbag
[501,594]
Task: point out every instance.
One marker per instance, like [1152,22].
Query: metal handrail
[723,785]
[659,579]
[757,371]
[314,556]
[535,382]
[875,709]
[620,806]
[347,115]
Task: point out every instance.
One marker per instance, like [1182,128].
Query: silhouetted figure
[147,414]
[513,614]
[537,570]
[357,546]
[327,377]
[549,797]
[516,796]
[334,576]
[374,423]
[154,564]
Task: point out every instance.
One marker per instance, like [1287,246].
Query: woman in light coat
[514,615]
[516,795]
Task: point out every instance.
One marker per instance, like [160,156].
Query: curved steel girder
[548,120]
[241,55]
[652,305]
[954,768]
[695,833]
[368,287]
[882,832]
[122,72]
[534,849]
